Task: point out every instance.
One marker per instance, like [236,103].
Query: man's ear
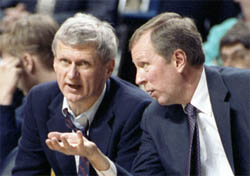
[110,65]
[28,62]
[179,58]
[54,64]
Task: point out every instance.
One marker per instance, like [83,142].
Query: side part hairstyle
[169,32]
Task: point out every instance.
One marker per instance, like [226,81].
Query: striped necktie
[83,169]
[194,164]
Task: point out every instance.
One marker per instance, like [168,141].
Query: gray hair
[85,29]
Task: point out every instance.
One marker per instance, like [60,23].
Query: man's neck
[81,106]
[192,79]
[46,76]
[85,104]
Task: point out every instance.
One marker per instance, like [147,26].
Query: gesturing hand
[77,144]
[70,143]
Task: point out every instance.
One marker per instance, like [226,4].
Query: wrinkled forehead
[80,47]
[76,52]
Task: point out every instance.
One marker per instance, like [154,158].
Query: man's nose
[139,78]
[73,71]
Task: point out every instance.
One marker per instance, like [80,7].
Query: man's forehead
[6,55]
[145,37]
[64,48]
[143,42]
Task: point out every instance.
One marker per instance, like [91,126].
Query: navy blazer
[115,128]
[164,147]
[11,117]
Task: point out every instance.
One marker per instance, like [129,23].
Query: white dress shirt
[81,120]
[213,156]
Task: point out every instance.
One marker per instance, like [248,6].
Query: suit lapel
[177,137]
[101,127]
[56,123]
[219,96]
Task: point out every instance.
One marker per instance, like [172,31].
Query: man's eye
[83,63]
[143,65]
[64,61]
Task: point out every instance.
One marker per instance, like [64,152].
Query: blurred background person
[211,46]
[58,9]
[27,60]
[235,46]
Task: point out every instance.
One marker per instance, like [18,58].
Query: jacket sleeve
[129,142]
[147,161]
[31,159]
[9,133]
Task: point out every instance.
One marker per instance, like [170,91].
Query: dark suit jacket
[11,117]
[115,128]
[164,148]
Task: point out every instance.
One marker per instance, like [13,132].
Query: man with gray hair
[85,98]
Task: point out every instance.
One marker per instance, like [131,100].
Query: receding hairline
[151,25]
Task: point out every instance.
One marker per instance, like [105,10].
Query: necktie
[194,165]
[83,169]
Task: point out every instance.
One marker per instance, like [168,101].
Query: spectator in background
[204,12]
[27,60]
[59,9]
[211,46]
[235,46]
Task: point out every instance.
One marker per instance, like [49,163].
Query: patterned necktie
[83,169]
[194,165]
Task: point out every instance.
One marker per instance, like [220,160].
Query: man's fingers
[53,144]
[49,144]
[56,135]
[80,137]
[68,143]
[65,142]
[11,62]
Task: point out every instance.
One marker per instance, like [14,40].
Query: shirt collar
[201,99]
[90,113]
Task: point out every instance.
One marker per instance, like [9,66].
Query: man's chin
[163,102]
[74,98]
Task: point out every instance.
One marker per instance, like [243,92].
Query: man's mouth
[150,92]
[74,86]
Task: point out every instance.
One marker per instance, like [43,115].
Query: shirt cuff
[110,172]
